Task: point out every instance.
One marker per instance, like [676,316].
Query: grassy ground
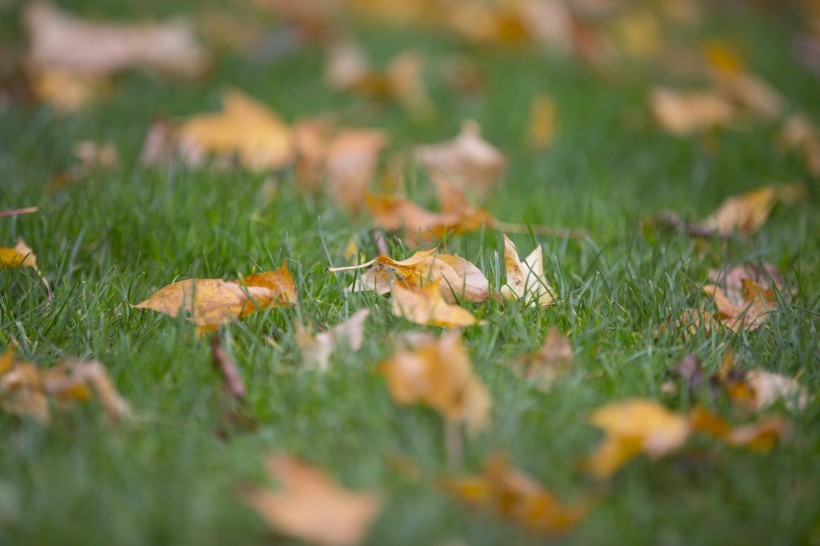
[110,241]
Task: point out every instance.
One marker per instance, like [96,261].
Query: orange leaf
[425,306]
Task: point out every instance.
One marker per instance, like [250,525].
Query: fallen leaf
[439,373]
[632,427]
[211,302]
[768,388]
[512,494]
[245,127]
[731,278]
[749,312]
[227,369]
[66,91]
[684,113]
[468,161]
[311,506]
[526,280]
[426,306]
[455,275]
[756,436]
[543,367]
[22,256]
[350,163]
[543,122]
[801,134]
[748,212]
[317,349]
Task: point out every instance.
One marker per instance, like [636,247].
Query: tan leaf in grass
[757,436]
[738,85]
[526,280]
[731,278]
[25,389]
[311,506]
[758,389]
[245,127]
[543,122]
[512,494]
[60,40]
[22,256]
[801,134]
[211,302]
[543,367]
[317,349]
[456,276]
[351,160]
[748,212]
[632,427]
[468,161]
[64,90]
[427,307]
[748,313]
[683,113]
[439,373]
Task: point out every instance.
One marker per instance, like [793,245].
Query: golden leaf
[22,256]
[632,427]
[211,302]
[514,495]
[438,373]
[543,122]
[311,506]
[526,280]
[425,306]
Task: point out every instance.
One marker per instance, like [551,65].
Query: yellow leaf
[543,122]
[526,280]
[438,373]
[66,91]
[22,256]
[425,306]
[512,494]
[632,427]
[311,506]
[211,302]
[245,127]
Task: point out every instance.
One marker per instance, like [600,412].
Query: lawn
[173,475]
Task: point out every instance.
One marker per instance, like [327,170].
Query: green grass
[111,240]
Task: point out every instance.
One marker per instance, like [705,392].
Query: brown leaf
[245,127]
[311,506]
[438,373]
[317,349]
[750,312]
[543,367]
[468,161]
[759,436]
[748,212]
[526,280]
[231,378]
[632,427]
[211,302]
[425,306]
[510,493]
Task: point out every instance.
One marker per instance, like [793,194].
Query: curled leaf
[526,280]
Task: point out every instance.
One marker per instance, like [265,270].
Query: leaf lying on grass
[686,112]
[758,436]
[22,256]
[426,307]
[211,302]
[438,373]
[317,349]
[311,506]
[801,134]
[543,367]
[512,494]
[455,275]
[26,389]
[756,390]
[526,280]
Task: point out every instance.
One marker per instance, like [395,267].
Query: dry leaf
[456,276]
[317,349]
[468,161]
[426,306]
[543,367]
[510,493]
[211,302]
[526,280]
[750,312]
[227,368]
[59,40]
[350,162]
[311,506]
[756,389]
[64,90]
[439,373]
[22,256]
[245,127]
[684,113]
[759,436]
[801,134]
[543,122]
[25,389]
[632,427]
[748,212]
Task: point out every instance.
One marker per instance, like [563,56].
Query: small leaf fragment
[317,349]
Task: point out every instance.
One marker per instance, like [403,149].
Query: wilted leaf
[311,506]
[22,256]
[526,280]
[512,494]
[543,367]
[468,161]
[317,349]
[425,306]
[683,113]
[439,373]
[211,302]
[245,127]
[632,427]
